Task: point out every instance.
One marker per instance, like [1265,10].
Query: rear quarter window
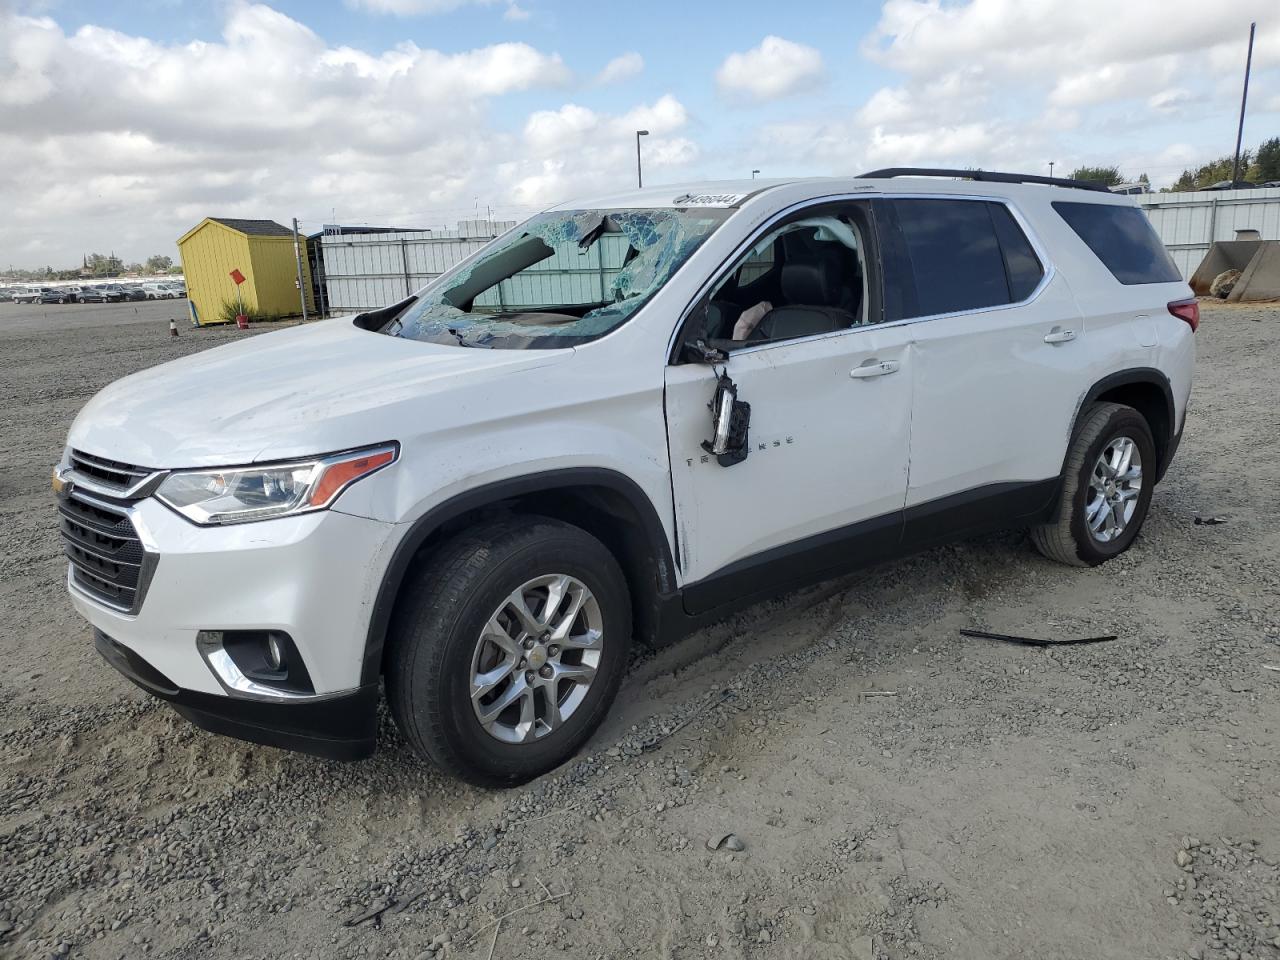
[1123,239]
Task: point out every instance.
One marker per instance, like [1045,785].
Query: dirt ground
[896,790]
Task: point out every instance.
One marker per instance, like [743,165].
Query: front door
[825,475]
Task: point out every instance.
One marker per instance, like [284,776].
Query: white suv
[625,417]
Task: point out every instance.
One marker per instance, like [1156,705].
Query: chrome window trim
[1046,263]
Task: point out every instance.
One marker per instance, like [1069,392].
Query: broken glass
[561,279]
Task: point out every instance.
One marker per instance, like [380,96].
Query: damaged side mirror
[730,419]
[699,351]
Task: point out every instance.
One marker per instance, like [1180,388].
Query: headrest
[814,284]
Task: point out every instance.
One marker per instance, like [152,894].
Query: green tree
[159,263]
[104,266]
[1266,165]
[1215,171]
[1108,175]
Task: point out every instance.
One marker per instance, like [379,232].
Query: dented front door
[827,448]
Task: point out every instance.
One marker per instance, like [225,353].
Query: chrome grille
[108,473]
[108,561]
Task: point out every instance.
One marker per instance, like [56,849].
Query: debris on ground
[654,742]
[726,841]
[374,913]
[1034,641]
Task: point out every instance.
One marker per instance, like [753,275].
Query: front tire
[1106,488]
[507,648]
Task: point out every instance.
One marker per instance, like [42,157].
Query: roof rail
[986,176]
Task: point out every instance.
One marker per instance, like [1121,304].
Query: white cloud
[1084,81]
[578,150]
[111,141]
[515,13]
[1113,81]
[776,68]
[620,68]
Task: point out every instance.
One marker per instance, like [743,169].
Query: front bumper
[339,726]
[312,577]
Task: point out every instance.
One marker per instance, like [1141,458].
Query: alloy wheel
[1114,487]
[536,658]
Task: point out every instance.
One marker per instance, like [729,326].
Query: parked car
[481,507]
[1231,185]
[6,294]
[133,291]
[102,293]
[158,291]
[57,295]
[1131,189]
[28,294]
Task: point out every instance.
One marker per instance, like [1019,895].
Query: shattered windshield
[561,279]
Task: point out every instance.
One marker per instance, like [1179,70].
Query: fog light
[275,652]
[256,662]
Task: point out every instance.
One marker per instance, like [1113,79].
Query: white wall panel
[1189,222]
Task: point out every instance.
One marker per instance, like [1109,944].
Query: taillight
[1188,310]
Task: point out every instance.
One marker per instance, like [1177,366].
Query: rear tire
[1106,488]
[455,624]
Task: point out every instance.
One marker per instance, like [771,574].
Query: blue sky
[121,124]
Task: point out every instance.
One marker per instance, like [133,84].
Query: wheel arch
[1148,391]
[607,504]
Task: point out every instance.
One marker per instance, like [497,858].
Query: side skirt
[837,552]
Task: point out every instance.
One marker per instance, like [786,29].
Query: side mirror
[730,419]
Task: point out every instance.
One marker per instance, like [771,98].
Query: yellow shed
[262,252]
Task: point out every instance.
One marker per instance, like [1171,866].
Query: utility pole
[1244,98]
[297,256]
[639,177]
[1051,168]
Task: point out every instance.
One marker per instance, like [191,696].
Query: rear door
[998,360]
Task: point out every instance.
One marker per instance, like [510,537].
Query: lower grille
[108,561]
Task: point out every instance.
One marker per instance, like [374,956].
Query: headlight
[241,494]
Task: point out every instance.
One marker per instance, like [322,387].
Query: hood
[290,393]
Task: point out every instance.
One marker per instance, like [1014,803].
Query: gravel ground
[892,789]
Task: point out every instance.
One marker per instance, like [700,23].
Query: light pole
[1244,98]
[753,174]
[1051,168]
[639,176]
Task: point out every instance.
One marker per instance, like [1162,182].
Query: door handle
[1059,336]
[875,368]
